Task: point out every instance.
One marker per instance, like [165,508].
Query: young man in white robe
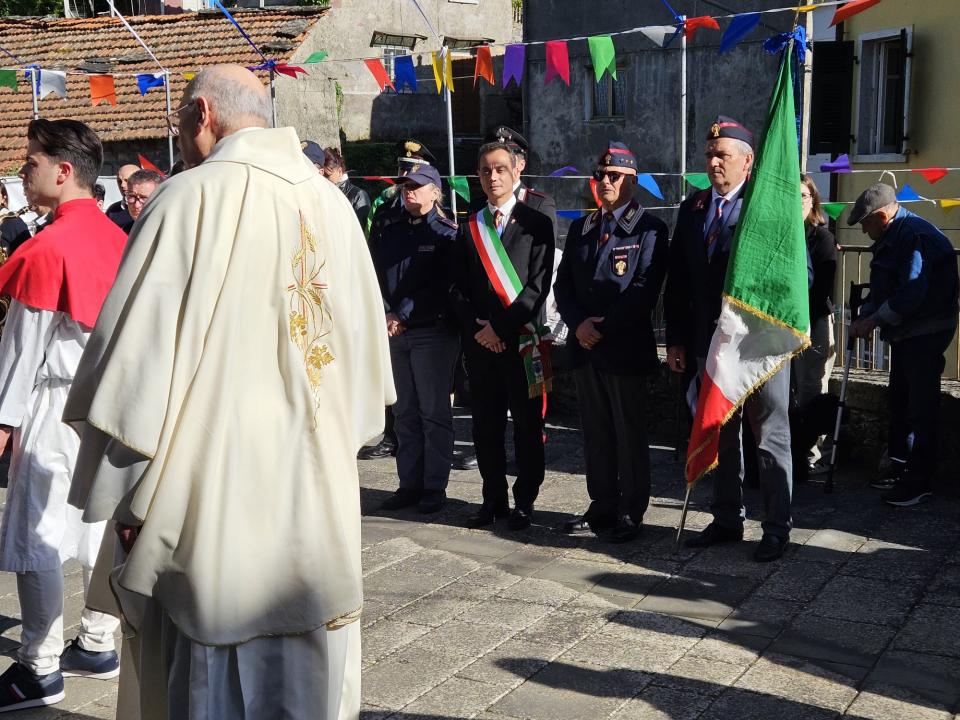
[57,282]
[239,363]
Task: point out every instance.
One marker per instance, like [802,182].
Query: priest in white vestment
[239,363]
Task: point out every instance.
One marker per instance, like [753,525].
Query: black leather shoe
[486,515]
[624,531]
[432,501]
[465,460]
[713,534]
[520,519]
[404,497]
[580,526]
[383,449]
[770,548]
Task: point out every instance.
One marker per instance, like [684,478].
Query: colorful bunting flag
[933,175]
[189,75]
[52,81]
[289,70]
[840,165]
[739,28]
[145,81]
[102,89]
[147,165]
[847,11]
[833,209]
[379,73]
[660,35]
[404,73]
[949,204]
[691,25]
[699,180]
[558,62]
[907,194]
[460,186]
[570,214]
[484,67]
[806,8]
[646,181]
[316,57]
[593,191]
[513,59]
[603,56]
[563,171]
[8,78]
[446,75]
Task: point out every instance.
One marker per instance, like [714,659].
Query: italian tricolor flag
[764,319]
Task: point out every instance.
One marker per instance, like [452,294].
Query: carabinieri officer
[606,289]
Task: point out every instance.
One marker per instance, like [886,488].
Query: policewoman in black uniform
[606,289]
[413,257]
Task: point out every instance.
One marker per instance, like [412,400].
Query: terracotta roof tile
[182,43]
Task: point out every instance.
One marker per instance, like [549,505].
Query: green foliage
[338,89]
[313,3]
[31,7]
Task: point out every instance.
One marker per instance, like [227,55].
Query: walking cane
[856,301]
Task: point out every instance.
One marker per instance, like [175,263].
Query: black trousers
[498,383]
[613,413]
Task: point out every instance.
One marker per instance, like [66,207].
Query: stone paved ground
[860,619]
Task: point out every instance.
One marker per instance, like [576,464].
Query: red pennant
[850,9]
[379,73]
[289,70]
[484,66]
[933,175]
[558,62]
[691,25]
[593,189]
[147,165]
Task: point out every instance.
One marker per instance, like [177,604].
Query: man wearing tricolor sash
[504,267]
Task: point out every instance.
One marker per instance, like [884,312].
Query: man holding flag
[749,235]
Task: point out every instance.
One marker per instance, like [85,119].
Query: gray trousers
[766,411]
[423,360]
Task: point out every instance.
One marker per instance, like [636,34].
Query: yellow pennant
[447,73]
[949,204]
[189,75]
[448,70]
[806,8]
[436,72]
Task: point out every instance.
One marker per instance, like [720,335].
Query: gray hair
[237,105]
[743,147]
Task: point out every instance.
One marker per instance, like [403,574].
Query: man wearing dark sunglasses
[606,288]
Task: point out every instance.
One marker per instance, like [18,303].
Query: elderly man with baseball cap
[913,301]
[606,289]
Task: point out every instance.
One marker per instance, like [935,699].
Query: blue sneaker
[77,662]
[20,688]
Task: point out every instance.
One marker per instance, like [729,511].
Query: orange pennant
[691,25]
[379,73]
[850,9]
[484,66]
[102,89]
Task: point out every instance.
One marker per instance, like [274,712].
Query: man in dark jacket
[607,286]
[118,211]
[335,170]
[913,300]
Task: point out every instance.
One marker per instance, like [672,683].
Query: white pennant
[659,34]
[53,81]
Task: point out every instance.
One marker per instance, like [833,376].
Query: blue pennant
[646,181]
[739,28]
[147,81]
[404,73]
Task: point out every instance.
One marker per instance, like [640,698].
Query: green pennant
[460,186]
[699,180]
[8,78]
[833,209]
[316,57]
[603,56]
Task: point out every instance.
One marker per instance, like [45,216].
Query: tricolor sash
[534,341]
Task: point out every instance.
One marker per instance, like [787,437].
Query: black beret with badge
[727,127]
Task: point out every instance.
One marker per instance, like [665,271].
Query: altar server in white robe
[57,282]
[239,363]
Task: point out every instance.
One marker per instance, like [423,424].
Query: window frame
[590,90]
[868,81]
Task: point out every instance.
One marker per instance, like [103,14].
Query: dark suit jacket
[620,283]
[695,284]
[528,241]
[535,199]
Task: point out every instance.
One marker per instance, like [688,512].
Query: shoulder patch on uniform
[536,192]
[447,221]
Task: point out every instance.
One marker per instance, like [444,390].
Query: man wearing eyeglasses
[140,187]
[607,286]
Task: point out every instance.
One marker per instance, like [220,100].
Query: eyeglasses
[134,199]
[173,119]
[806,196]
[613,176]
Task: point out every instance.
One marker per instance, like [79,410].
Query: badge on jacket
[620,264]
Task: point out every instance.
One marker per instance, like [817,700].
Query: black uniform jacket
[413,258]
[619,282]
[695,284]
[535,199]
[528,241]
[359,200]
[13,233]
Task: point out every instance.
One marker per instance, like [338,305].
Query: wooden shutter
[831,100]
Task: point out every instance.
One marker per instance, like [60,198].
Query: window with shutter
[830,103]
[884,95]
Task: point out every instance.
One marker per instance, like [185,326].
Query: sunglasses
[612,175]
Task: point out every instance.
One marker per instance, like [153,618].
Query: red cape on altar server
[70,266]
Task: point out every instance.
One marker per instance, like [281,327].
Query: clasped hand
[488,338]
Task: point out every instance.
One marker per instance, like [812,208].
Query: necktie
[498,221]
[606,228]
[716,225]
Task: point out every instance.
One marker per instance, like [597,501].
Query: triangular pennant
[513,58]
[437,76]
[949,204]
[646,181]
[558,62]
[102,89]
[8,78]
[593,191]
[691,25]
[289,70]
[448,68]
[603,56]
[833,209]
[570,214]
[404,73]
[316,57]
[190,75]
[147,165]
[484,67]
[659,35]
[840,165]
[850,9]
[379,73]
[933,175]
[460,186]
[699,180]
[145,81]
[52,81]
[739,28]
[907,194]
[806,8]
[564,170]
